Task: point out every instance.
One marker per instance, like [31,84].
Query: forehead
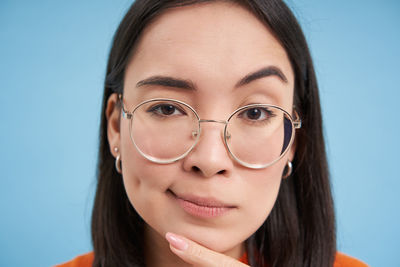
[212,40]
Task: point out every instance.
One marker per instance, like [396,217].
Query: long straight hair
[300,230]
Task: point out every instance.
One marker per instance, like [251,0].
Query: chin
[218,240]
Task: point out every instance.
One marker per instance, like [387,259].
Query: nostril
[195,169]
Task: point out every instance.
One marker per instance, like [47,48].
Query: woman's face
[213,46]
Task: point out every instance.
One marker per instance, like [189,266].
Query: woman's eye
[166,110]
[256,114]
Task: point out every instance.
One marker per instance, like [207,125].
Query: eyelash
[156,110]
[267,113]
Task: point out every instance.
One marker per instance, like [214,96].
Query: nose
[210,156]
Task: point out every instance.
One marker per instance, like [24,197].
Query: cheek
[137,171]
[143,180]
[262,189]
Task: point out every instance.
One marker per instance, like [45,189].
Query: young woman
[211,149]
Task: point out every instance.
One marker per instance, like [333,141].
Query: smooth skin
[213,46]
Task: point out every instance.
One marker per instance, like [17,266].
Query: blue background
[52,64]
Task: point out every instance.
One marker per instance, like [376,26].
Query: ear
[113,114]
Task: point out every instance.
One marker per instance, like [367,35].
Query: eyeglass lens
[165,130]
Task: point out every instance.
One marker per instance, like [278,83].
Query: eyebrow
[262,73]
[167,81]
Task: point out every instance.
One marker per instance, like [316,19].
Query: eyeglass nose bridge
[226,134]
[217,121]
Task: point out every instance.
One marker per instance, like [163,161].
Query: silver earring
[288,169]
[118,163]
[117,160]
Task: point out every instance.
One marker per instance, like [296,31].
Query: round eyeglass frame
[295,123]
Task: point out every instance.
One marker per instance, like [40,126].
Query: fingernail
[176,241]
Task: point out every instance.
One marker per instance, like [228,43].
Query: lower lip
[202,211]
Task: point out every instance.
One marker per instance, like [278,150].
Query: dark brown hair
[300,230]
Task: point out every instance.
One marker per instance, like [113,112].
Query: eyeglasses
[166,130]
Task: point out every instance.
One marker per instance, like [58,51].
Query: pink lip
[202,207]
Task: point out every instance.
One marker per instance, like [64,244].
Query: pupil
[167,109]
[254,113]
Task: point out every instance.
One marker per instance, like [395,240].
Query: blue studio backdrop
[52,63]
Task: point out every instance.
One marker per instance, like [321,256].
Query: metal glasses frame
[295,122]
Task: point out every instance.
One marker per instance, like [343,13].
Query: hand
[198,255]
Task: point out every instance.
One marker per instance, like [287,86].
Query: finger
[198,255]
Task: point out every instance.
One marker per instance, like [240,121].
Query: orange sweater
[86,260]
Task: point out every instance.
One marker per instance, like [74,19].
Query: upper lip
[203,201]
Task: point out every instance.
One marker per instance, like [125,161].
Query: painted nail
[176,241]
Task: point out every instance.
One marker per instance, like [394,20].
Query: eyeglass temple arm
[125,113]
[296,119]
